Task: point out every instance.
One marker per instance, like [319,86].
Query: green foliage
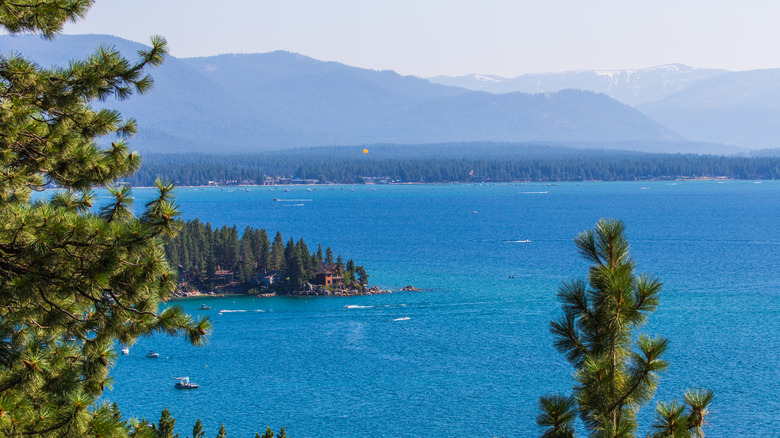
[616,369]
[200,251]
[329,256]
[166,425]
[222,433]
[197,430]
[74,283]
[362,275]
[557,415]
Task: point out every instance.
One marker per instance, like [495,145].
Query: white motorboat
[184,383]
[126,350]
[152,355]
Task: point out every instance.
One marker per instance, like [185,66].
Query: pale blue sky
[455,37]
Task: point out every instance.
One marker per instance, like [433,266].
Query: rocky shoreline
[308,290]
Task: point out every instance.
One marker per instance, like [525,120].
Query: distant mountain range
[244,103]
[632,87]
[739,108]
[258,102]
[736,108]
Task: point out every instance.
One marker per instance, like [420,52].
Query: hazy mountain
[739,108]
[245,103]
[631,87]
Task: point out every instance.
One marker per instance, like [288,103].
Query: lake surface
[475,354]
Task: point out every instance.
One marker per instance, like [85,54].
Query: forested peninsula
[446,163]
[218,260]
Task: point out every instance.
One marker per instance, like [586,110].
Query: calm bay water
[475,354]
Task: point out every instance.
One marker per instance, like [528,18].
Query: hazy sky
[454,37]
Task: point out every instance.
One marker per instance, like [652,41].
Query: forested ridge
[448,163]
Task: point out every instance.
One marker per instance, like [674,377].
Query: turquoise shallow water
[475,353]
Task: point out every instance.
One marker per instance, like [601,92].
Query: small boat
[126,350]
[204,307]
[152,355]
[184,383]
[405,318]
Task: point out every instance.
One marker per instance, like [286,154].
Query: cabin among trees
[327,275]
[211,258]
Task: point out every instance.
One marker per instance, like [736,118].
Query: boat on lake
[184,383]
[204,307]
[152,355]
[126,350]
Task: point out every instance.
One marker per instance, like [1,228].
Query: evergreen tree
[349,274]
[303,251]
[289,255]
[277,253]
[165,425]
[65,271]
[263,254]
[222,433]
[362,275]
[320,257]
[616,369]
[328,256]
[232,249]
[246,267]
[340,265]
[268,433]
[296,270]
[197,430]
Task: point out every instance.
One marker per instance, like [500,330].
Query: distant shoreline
[703,178]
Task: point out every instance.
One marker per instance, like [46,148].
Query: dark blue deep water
[475,354]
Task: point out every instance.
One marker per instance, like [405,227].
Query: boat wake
[355,306]
[241,311]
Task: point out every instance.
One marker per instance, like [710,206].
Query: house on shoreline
[327,275]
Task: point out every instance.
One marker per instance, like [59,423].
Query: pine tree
[277,253]
[303,251]
[268,433]
[166,425]
[67,272]
[246,267]
[362,275]
[222,433]
[328,256]
[349,274]
[197,430]
[296,270]
[263,251]
[616,369]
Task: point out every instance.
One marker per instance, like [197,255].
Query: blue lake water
[475,354]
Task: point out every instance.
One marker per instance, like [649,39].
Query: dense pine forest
[208,257]
[449,163]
